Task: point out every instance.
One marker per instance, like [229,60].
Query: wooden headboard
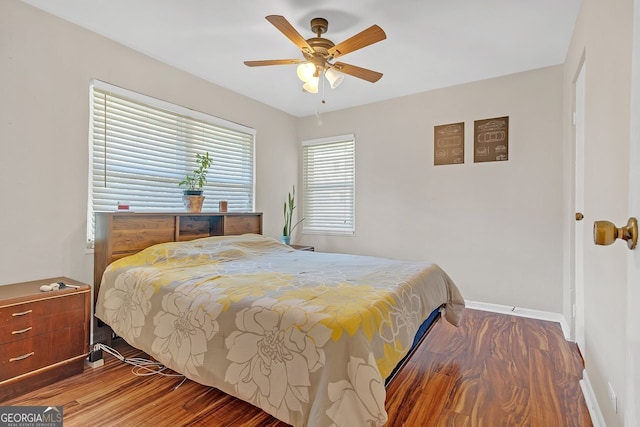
[119,234]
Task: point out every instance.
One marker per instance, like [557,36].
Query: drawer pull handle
[21,331]
[24,356]
[22,313]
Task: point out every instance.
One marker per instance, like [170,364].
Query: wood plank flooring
[493,370]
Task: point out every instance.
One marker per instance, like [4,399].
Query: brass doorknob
[579,216]
[605,233]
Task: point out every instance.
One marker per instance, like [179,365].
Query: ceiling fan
[320,52]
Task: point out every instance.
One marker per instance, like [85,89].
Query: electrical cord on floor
[141,367]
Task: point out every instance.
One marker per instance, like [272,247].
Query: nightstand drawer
[34,318]
[28,354]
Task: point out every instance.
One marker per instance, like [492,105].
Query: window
[329,185]
[140,149]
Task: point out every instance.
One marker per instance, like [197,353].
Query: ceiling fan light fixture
[305,71]
[312,85]
[319,52]
[334,77]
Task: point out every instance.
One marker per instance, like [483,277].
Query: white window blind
[329,185]
[141,148]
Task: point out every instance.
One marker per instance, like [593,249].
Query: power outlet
[613,398]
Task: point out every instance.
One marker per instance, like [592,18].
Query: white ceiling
[430,44]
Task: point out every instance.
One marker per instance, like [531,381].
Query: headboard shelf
[119,234]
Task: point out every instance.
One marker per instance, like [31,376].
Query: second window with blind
[328,178]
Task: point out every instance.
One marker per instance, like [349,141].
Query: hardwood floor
[493,370]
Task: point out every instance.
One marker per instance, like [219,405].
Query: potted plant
[193,183]
[289,206]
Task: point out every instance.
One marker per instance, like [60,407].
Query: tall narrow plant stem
[289,207]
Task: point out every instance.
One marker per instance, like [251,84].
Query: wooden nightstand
[44,336]
[303,248]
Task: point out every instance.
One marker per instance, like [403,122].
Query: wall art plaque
[491,140]
[448,144]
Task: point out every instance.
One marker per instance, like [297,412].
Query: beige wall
[47,65]
[603,37]
[496,228]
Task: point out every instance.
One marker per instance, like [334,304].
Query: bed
[308,337]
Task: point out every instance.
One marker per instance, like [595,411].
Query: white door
[579,120]
[632,411]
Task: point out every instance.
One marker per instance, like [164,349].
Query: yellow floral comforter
[309,337]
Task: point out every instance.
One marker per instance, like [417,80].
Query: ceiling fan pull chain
[323,100]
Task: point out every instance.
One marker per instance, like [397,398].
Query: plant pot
[193,203]
[192,192]
[285,239]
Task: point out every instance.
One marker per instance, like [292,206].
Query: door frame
[579,87]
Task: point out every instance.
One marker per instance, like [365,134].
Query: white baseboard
[523,312]
[592,404]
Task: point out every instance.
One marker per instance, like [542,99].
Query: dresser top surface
[17,293]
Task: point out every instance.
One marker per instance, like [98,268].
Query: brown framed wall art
[491,140]
[448,144]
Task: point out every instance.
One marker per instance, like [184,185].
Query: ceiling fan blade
[361,73]
[273,62]
[281,23]
[371,35]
